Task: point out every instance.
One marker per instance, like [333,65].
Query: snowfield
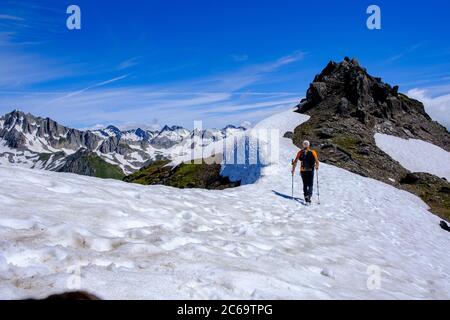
[253,242]
[416,155]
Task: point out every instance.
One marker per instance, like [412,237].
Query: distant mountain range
[42,143]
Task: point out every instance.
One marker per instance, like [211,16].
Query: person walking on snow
[308,162]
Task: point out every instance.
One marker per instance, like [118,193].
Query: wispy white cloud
[138,107]
[246,76]
[69,98]
[246,124]
[96,85]
[10,17]
[299,55]
[20,69]
[404,53]
[128,63]
[217,100]
[152,125]
[236,106]
[97,126]
[437,90]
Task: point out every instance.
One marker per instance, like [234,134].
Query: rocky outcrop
[109,145]
[347,107]
[345,92]
[185,175]
[18,126]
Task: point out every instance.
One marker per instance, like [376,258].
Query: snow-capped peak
[113,131]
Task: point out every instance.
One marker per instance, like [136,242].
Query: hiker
[308,162]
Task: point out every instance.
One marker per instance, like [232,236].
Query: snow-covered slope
[251,242]
[416,155]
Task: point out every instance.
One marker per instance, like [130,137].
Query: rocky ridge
[348,106]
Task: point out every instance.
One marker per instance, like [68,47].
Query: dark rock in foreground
[72,295]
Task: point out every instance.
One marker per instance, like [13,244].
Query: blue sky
[143,63]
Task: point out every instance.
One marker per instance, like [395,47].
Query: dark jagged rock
[445,190]
[109,145]
[444,226]
[346,88]
[343,106]
[347,106]
[317,92]
[17,124]
[410,178]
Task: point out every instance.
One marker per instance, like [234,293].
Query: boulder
[410,178]
[317,92]
[343,106]
[288,135]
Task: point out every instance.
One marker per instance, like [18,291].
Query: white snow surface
[416,155]
[253,242]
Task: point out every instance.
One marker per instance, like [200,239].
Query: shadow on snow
[285,196]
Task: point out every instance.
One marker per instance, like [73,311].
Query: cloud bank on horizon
[437,107]
[136,65]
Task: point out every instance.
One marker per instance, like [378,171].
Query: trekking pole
[318,189]
[292,174]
